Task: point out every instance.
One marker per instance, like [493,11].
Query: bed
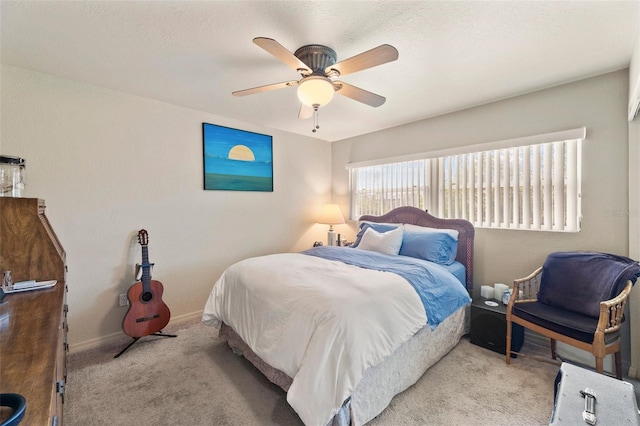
[344,329]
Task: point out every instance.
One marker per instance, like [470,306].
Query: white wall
[634,67]
[599,104]
[634,240]
[634,209]
[109,164]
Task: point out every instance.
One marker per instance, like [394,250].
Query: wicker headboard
[415,216]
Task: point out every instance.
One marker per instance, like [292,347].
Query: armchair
[577,298]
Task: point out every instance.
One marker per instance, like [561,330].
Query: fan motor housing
[317,57]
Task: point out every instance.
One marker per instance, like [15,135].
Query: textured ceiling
[453,54]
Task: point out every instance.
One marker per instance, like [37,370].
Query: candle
[486,291]
[498,290]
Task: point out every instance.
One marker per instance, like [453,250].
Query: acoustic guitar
[147,313]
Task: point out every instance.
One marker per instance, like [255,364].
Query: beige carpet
[195,379]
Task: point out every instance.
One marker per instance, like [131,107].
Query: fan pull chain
[316,126]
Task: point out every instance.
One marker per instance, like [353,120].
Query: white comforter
[321,322]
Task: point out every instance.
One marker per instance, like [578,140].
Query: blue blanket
[578,280]
[440,292]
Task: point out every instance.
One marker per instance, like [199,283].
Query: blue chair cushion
[579,281]
[571,324]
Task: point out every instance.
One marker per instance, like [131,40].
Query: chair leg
[599,365]
[508,351]
[618,358]
[553,349]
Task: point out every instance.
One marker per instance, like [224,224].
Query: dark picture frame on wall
[236,160]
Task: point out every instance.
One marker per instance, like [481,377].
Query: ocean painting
[237,160]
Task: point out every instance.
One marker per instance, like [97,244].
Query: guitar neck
[146,268]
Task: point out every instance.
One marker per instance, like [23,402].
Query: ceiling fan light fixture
[315,90]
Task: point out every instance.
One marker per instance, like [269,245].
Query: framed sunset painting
[237,160]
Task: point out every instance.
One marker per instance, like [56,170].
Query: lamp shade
[315,90]
[331,215]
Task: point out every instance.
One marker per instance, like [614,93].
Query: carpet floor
[195,379]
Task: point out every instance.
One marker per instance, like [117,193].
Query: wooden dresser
[33,324]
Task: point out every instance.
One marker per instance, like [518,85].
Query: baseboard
[119,337]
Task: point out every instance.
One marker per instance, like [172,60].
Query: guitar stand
[135,339]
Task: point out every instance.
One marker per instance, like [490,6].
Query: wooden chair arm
[529,286]
[612,311]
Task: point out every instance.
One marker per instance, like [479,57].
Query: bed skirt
[381,382]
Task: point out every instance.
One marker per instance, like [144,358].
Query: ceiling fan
[318,67]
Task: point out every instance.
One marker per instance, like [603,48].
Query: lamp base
[331,238]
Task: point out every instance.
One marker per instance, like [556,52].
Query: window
[528,183]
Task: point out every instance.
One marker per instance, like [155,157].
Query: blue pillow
[437,247]
[380,227]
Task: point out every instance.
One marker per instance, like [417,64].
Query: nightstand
[489,326]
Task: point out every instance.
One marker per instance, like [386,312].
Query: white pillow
[383,242]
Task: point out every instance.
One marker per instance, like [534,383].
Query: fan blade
[358,94]
[371,58]
[266,88]
[280,52]
[305,112]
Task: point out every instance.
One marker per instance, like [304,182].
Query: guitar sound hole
[146,296]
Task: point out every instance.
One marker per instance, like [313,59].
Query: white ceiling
[452,54]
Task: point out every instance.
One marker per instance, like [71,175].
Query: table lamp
[331,215]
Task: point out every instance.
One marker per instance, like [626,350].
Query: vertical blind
[535,187]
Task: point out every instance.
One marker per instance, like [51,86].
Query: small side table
[489,327]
